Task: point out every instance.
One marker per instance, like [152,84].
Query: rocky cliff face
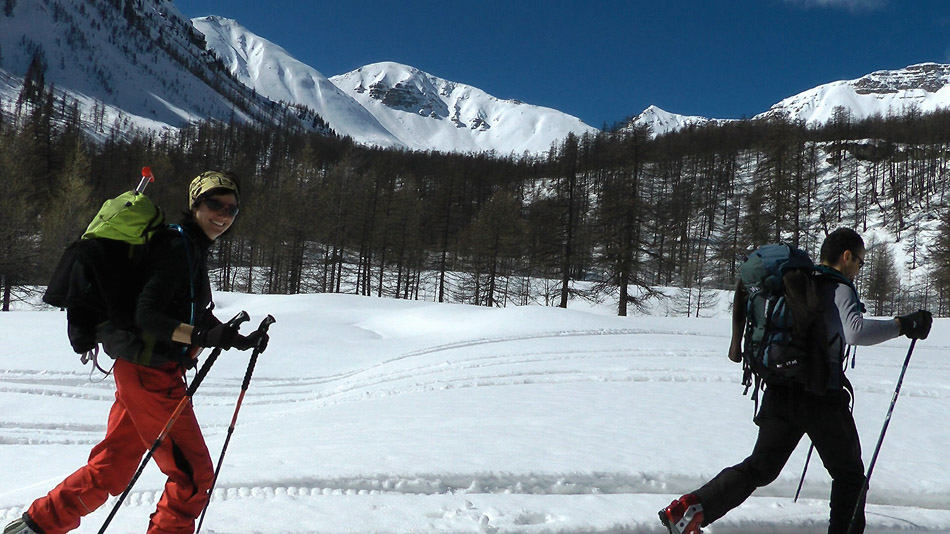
[929,77]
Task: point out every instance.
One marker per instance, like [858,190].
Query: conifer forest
[611,216]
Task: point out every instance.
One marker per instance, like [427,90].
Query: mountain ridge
[250,57]
[146,66]
[388,103]
[145,62]
[922,86]
[424,110]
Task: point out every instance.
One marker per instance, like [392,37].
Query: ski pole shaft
[880,439]
[801,482]
[811,448]
[265,325]
[182,404]
[147,178]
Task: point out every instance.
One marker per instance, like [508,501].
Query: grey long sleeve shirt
[847,325]
[854,328]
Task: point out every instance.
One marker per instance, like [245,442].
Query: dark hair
[839,241]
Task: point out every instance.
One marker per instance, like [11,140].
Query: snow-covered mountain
[274,73]
[925,87]
[388,103]
[662,122]
[144,65]
[427,112]
[886,92]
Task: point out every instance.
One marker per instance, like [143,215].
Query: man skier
[788,411]
[172,312]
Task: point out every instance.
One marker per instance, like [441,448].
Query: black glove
[254,340]
[916,325]
[81,329]
[221,336]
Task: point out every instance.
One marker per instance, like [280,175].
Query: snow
[95,57]
[663,122]
[272,72]
[452,116]
[893,92]
[436,114]
[370,415]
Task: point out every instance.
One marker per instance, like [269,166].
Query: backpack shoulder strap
[827,273]
[177,228]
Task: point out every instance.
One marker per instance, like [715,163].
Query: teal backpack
[776,349]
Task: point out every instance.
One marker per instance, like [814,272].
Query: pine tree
[70,207]
[880,281]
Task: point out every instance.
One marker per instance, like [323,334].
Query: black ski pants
[785,415]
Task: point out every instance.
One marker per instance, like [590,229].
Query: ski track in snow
[412,372]
[305,493]
[377,375]
[78,385]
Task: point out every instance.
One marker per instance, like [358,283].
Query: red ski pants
[145,399]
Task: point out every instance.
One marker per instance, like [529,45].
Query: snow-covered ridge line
[390,104]
[924,87]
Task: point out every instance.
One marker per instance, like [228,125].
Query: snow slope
[427,112]
[382,416]
[924,87]
[662,122]
[145,63]
[389,104]
[274,73]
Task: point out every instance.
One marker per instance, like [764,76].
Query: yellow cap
[207,181]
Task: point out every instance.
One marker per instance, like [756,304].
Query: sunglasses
[218,206]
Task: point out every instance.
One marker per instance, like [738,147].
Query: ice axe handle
[147,178]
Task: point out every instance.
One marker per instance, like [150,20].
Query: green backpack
[130,217]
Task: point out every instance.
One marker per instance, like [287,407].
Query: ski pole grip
[265,325]
[234,322]
[241,317]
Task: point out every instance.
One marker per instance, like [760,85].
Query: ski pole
[880,439]
[811,448]
[801,482]
[265,325]
[234,322]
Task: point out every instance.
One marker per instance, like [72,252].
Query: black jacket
[175,290]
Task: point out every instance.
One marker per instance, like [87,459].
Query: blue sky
[606,60]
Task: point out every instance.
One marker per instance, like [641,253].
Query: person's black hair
[839,241]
